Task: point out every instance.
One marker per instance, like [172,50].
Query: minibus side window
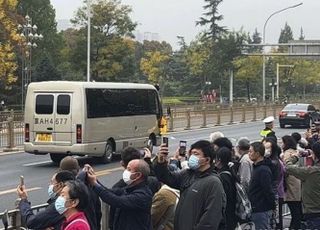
[63,104]
[44,104]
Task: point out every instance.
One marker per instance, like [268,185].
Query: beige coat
[163,208]
[293,184]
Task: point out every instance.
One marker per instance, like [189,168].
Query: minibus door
[43,124]
[63,119]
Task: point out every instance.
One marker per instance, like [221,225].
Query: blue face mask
[60,205]
[51,193]
[193,162]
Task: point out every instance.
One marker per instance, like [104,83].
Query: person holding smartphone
[179,160]
[49,217]
[204,199]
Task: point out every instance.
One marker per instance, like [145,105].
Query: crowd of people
[200,188]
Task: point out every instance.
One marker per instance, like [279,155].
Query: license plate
[45,137]
[291,114]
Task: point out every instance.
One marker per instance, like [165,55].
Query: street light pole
[88,39]
[29,34]
[264,57]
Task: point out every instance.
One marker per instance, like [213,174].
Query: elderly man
[133,202]
[245,164]
[203,201]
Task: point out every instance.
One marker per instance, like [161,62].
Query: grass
[179,100]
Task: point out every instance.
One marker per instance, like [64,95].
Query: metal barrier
[12,219]
[12,124]
[11,130]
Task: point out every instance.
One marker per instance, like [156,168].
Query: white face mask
[126,176]
[267,153]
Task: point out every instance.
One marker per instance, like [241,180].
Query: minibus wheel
[108,153]
[56,158]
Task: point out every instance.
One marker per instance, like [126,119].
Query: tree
[154,66]
[256,39]
[45,71]
[112,53]
[248,69]
[301,37]
[211,19]
[306,73]
[285,36]
[9,39]
[197,56]
[152,46]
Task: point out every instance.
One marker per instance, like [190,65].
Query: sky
[172,18]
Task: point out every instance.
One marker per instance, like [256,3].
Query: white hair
[215,135]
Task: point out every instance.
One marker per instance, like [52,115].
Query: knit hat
[70,163]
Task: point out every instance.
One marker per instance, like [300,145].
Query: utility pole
[88,39]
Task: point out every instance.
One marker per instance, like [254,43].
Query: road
[37,170]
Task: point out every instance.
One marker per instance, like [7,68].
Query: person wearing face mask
[49,217]
[93,210]
[71,203]
[133,202]
[128,154]
[202,200]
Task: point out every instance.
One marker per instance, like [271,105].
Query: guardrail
[202,117]
[196,116]
[12,219]
[11,130]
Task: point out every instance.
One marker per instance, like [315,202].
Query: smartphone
[142,152]
[182,148]
[165,141]
[21,181]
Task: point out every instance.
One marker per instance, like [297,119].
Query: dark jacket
[229,186]
[48,217]
[261,194]
[93,210]
[202,199]
[133,206]
[152,183]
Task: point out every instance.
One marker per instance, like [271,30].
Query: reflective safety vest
[163,126]
[265,132]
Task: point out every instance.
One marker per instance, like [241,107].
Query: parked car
[298,114]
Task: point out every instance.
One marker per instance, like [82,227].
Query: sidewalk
[4,151]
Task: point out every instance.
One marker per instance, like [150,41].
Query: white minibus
[90,118]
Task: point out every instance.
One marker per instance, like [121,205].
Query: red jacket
[77,221]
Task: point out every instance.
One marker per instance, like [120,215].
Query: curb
[4,151]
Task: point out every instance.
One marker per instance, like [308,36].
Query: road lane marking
[37,163]
[108,171]
[15,190]
[10,153]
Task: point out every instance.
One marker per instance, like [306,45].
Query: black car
[298,114]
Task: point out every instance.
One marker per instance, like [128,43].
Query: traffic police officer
[267,131]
